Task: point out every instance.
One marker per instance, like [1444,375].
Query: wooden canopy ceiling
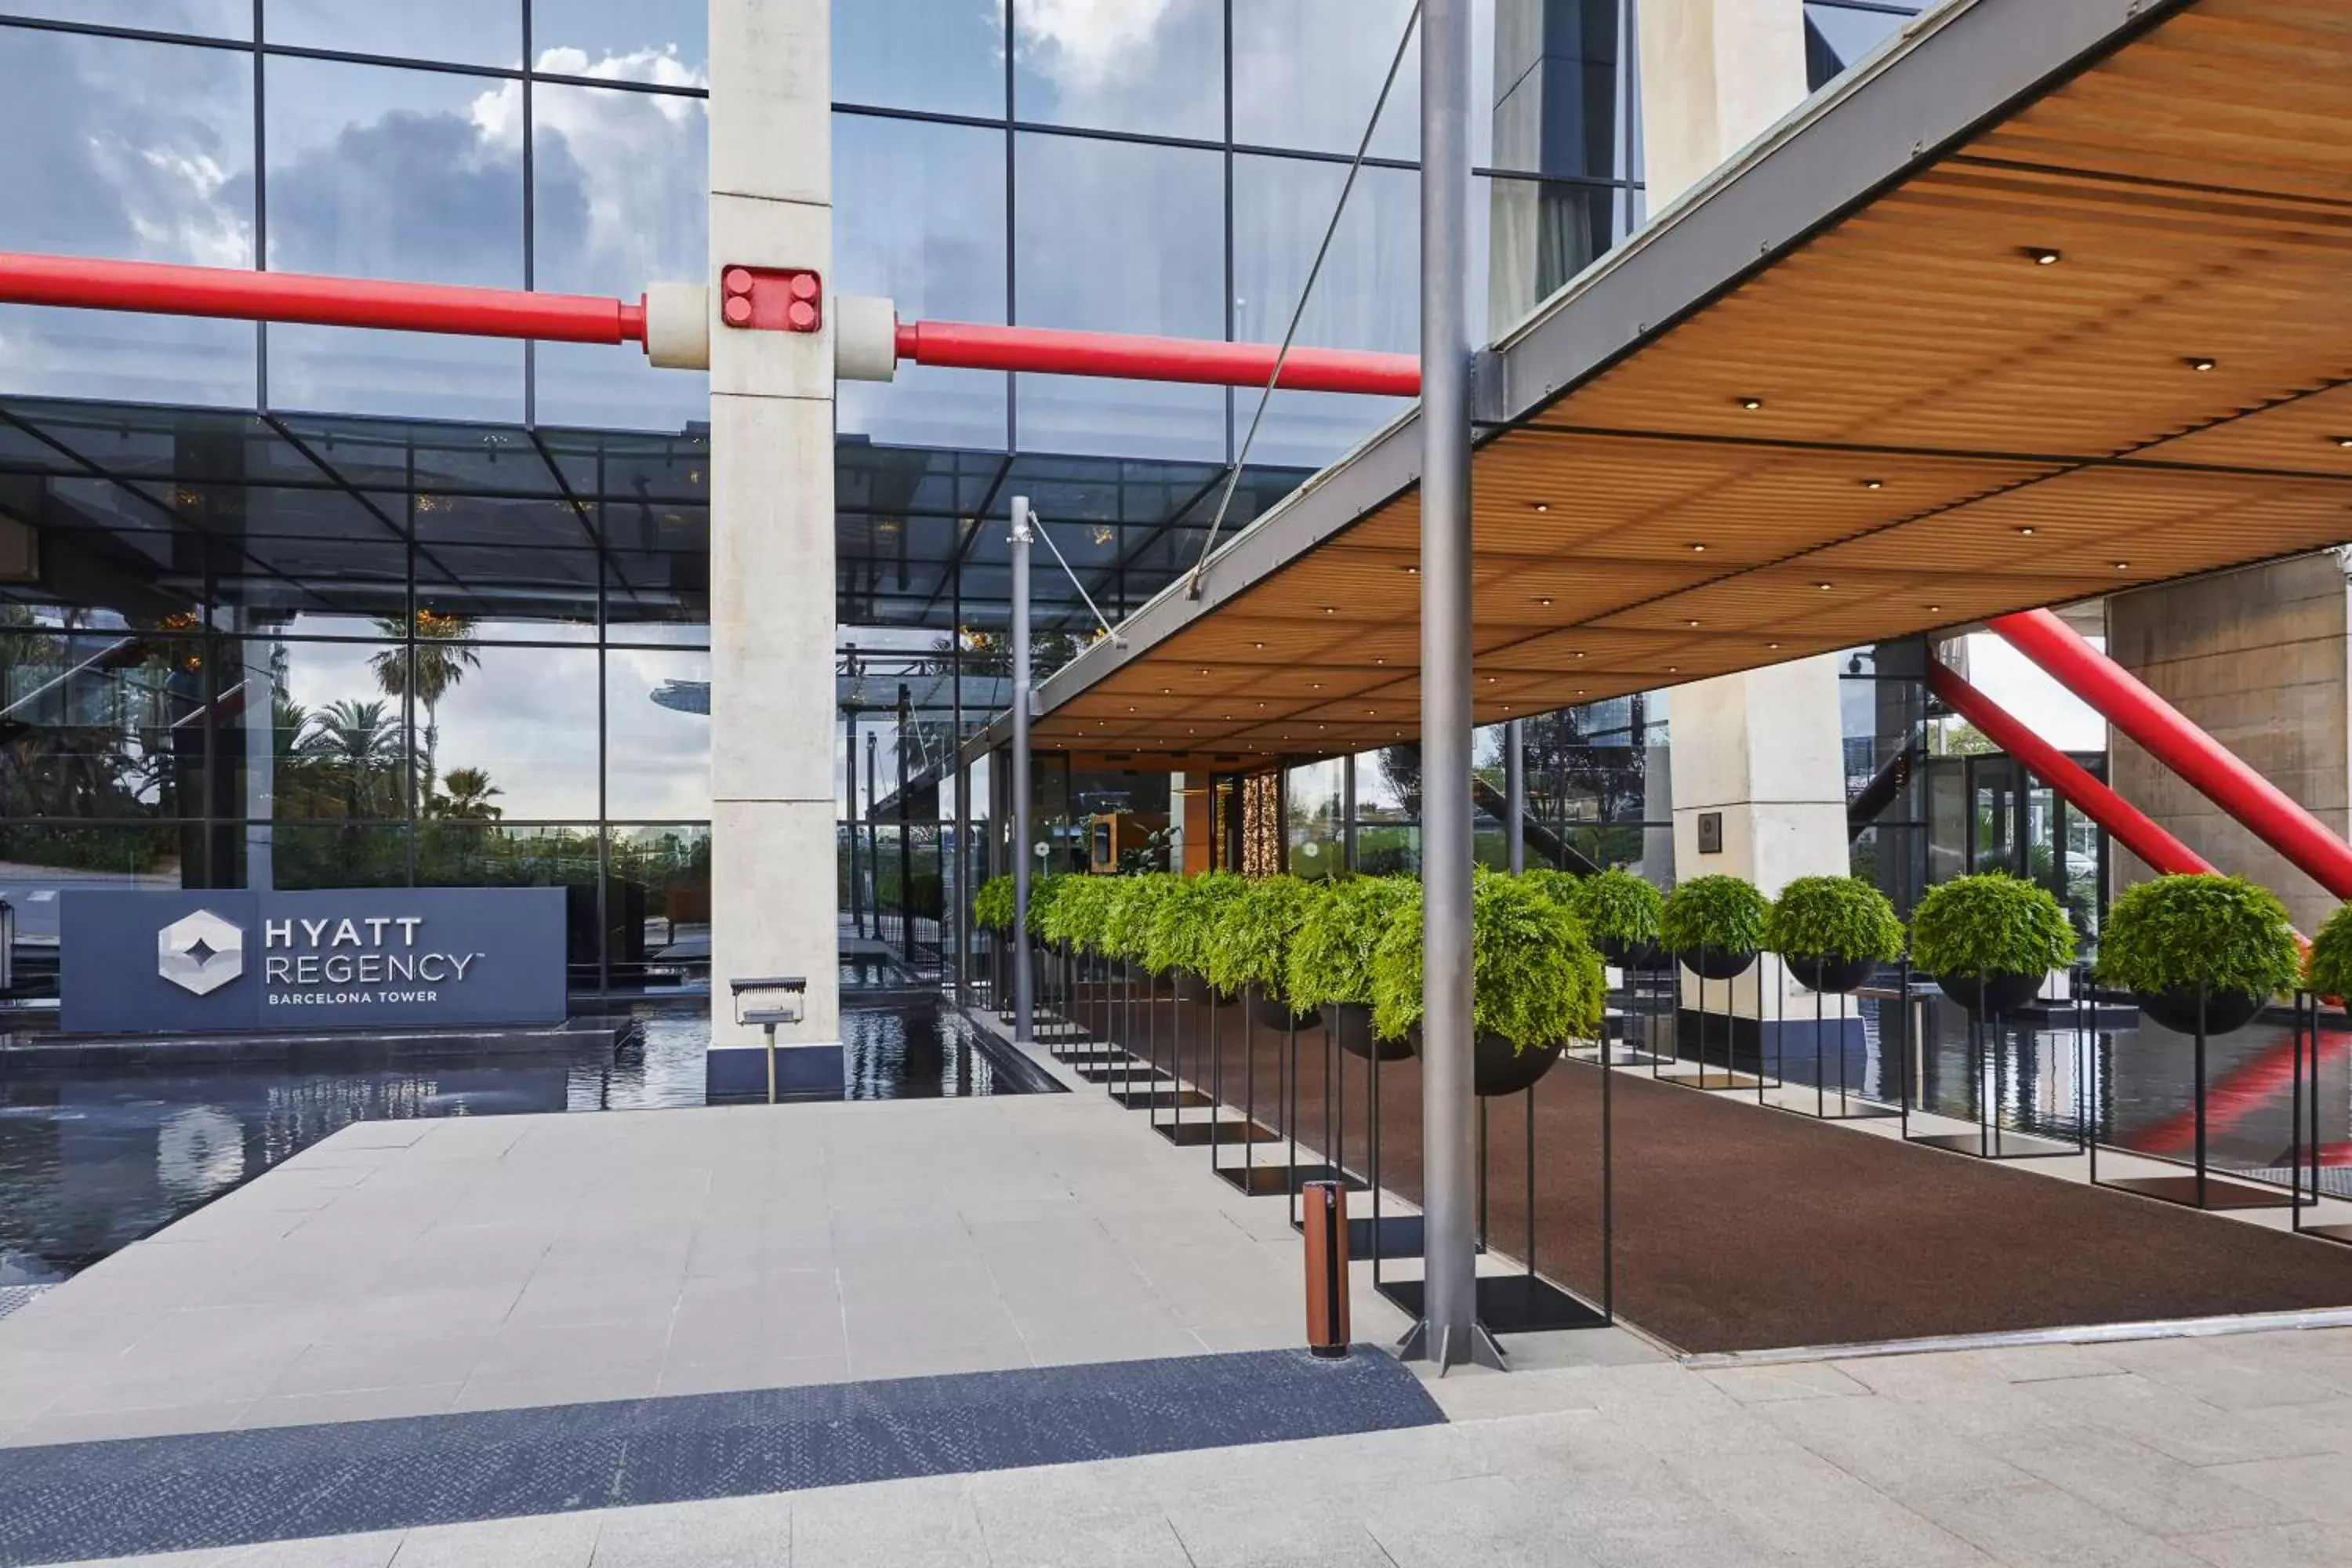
[1907,419]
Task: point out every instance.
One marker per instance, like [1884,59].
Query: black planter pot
[1996,993]
[1833,975]
[2176,1009]
[1718,963]
[1191,987]
[1498,1067]
[1350,1024]
[1268,1013]
[1627,955]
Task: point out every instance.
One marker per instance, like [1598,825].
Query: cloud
[1086,45]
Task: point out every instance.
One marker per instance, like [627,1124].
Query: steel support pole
[1449,1332]
[1023,1020]
[873,837]
[1514,794]
[906,830]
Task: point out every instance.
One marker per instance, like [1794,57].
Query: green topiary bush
[991,905]
[1077,911]
[1720,914]
[1183,918]
[1043,891]
[1990,925]
[1834,917]
[1619,907]
[2175,933]
[1127,923]
[1535,981]
[1340,926]
[2327,968]
[1250,942]
[1562,888]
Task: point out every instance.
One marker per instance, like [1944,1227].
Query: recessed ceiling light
[1673,669]
[1164,691]
[1330,609]
[1580,692]
[1204,672]
[1413,571]
[1579,653]
[2199,361]
[1380,661]
[1258,644]
[1752,403]
[1874,484]
[1698,549]
[2343,441]
[1934,609]
[1694,623]
[1314,686]
[1547,603]
[2123,565]
[2026,532]
[1771,645]
[1492,678]
[1543,506]
[1371,712]
[1507,708]
[2042,255]
[1825,587]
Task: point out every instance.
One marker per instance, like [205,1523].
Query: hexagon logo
[200,952]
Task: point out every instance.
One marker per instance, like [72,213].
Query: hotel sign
[230,961]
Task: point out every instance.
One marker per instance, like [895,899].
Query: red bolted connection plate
[771,298]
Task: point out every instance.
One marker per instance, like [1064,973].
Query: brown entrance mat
[1744,1228]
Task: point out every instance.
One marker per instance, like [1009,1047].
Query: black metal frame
[2202,1189]
[1850,1105]
[1991,1140]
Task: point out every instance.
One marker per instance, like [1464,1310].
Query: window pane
[380,172]
[666,41]
[622,202]
[1308,72]
[1156,67]
[1149,257]
[667,869]
[1847,36]
[1368,296]
[919,215]
[207,18]
[656,733]
[516,733]
[102,725]
[1555,94]
[45,859]
[134,149]
[476,32]
[344,738]
[944,56]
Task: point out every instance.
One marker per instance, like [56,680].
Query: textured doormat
[76,1501]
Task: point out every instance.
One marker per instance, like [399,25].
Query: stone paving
[417,1268]
[2226,1452]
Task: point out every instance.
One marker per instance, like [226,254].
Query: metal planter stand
[1629,1055]
[2201,1189]
[1990,1141]
[1849,1106]
[1705,1078]
[1523,1302]
[2305,1138]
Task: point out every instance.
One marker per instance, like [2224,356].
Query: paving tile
[1292,1534]
[2272,1546]
[2150,1491]
[2317,1488]
[1488,1520]
[2034,1524]
[374,1550]
[358,1405]
[1893,1447]
[757,1366]
[1799,1380]
[2166,1419]
[730,1532]
[1128,1540]
[890,1524]
[545,1540]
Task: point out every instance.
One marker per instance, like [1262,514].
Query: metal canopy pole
[1024,1021]
[1514,794]
[1448,1332]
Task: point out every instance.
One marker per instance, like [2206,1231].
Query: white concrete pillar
[1762,750]
[774,882]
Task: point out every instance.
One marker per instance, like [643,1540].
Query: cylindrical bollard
[1326,1216]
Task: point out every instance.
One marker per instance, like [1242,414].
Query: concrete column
[1761,751]
[774,897]
[2260,660]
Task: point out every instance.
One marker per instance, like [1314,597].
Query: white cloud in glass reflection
[1083,45]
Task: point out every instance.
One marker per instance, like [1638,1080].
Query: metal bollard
[1325,1205]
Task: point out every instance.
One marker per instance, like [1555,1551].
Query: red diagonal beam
[2120,698]
[241,295]
[1120,354]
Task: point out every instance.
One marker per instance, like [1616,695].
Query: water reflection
[91,1159]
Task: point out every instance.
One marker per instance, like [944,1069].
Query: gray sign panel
[231,961]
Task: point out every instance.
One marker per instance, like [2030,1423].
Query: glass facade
[470,578]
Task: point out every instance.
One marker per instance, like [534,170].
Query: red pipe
[973,347]
[244,295]
[2168,736]
[2124,823]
